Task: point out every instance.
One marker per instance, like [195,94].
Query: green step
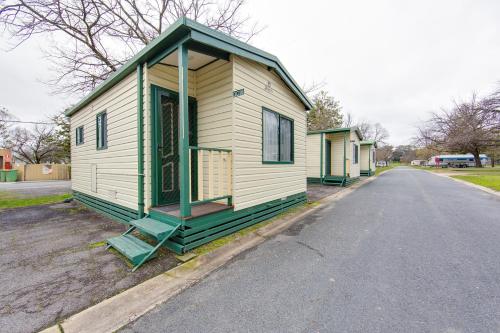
[152,227]
[132,248]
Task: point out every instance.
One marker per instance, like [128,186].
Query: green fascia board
[368,143]
[338,130]
[177,33]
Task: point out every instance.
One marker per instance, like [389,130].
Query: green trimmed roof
[368,142]
[338,130]
[184,30]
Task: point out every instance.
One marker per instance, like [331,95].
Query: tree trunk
[492,159]
[477,159]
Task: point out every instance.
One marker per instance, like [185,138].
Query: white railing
[213,173]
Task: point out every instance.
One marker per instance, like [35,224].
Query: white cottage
[368,158]
[197,136]
[333,156]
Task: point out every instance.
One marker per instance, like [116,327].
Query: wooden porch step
[155,228]
[132,248]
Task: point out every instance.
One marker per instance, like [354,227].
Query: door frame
[155,128]
[328,157]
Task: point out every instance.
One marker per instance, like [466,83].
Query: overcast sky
[387,61]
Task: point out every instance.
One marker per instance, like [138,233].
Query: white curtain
[271,139]
[285,140]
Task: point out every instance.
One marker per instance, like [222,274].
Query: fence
[27,172]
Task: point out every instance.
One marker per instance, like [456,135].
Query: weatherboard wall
[254,181]
[354,170]
[114,169]
[313,153]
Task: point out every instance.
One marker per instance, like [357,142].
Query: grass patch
[489,181]
[97,244]
[8,200]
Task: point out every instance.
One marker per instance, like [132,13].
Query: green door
[166,146]
[328,158]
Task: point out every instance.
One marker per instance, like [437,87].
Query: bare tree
[92,39]
[469,127]
[375,132]
[365,128]
[348,120]
[380,134]
[384,153]
[33,147]
[313,87]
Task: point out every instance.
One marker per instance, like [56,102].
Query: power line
[28,122]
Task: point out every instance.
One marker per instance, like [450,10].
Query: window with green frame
[102,130]
[79,135]
[355,153]
[277,138]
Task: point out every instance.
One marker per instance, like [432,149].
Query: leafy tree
[326,113]
[5,117]
[61,138]
[89,40]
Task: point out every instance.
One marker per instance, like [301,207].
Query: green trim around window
[104,131]
[292,138]
[80,138]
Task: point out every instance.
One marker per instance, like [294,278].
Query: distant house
[333,156]
[368,158]
[418,162]
[381,163]
[195,137]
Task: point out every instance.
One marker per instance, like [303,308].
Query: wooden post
[210,174]
[185,205]
[220,173]
[344,156]
[200,175]
[229,174]
[322,138]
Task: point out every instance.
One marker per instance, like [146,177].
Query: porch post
[185,205]
[321,159]
[344,156]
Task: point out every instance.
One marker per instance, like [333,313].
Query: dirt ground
[54,264]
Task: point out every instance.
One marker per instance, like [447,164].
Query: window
[373,155]
[102,130]
[277,138]
[355,153]
[79,135]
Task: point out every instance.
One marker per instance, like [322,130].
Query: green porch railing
[214,174]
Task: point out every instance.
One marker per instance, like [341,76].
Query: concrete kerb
[479,187]
[122,309]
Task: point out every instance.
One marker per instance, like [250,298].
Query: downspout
[321,160]
[344,156]
[140,142]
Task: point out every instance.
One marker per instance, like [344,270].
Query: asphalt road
[408,252]
[37,188]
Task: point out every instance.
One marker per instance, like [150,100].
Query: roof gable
[184,30]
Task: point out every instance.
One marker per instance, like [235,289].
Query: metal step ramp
[136,250]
